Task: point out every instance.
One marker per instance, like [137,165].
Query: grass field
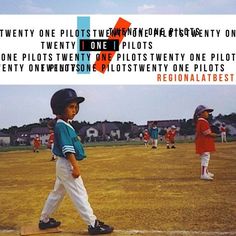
[136,189]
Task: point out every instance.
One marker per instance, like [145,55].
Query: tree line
[187,127]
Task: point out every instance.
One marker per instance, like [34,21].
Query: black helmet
[62,98]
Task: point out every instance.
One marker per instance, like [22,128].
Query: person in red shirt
[146,137]
[170,137]
[223,133]
[36,143]
[204,139]
[51,143]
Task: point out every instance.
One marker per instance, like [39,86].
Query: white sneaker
[210,174]
[206,177]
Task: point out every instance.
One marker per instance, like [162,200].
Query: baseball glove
[215,129]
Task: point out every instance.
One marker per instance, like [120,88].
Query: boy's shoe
[173,147]
[52,223]
[206,177]
[210,174]
[99,228]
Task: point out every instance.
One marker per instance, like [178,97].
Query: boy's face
[70,111]
[205,114]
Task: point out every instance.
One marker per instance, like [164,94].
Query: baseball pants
[205,158]
[154,142]
[223,137]
[74,187]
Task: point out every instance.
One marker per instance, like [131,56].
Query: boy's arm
[74,163]
[210,133]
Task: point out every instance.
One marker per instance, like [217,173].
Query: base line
[177,232]
[146,232]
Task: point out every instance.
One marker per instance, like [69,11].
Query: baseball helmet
[62,98]
[202,108]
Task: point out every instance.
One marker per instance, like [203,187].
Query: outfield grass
[130,187]
[105,144]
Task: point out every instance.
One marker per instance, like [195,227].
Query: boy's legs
[225,137]
[154,143]
[172,143]
[167,143]
[76,191]
[205,158]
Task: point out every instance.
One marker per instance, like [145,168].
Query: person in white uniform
[223,133]
[68,150]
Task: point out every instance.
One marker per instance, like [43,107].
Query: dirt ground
[138,190]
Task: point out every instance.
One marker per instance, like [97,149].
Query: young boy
[51,143]
[204,139]
[68,149]
[223,133]
[146,137]
[153,131]
[170,137]
[36,143]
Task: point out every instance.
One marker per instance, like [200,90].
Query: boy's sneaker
[99,228]
[52,223]
[210,174]
[206,177]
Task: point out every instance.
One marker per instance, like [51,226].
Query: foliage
[186,128]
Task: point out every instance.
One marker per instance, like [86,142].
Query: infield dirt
[129,187]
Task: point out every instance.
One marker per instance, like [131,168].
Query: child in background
[223,133]
[36,143]
[68,150]
[51,144]
[146,137]
[204,139]
[154,134]
[170,137]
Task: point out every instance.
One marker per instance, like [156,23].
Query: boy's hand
[75,172]
[74,163]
